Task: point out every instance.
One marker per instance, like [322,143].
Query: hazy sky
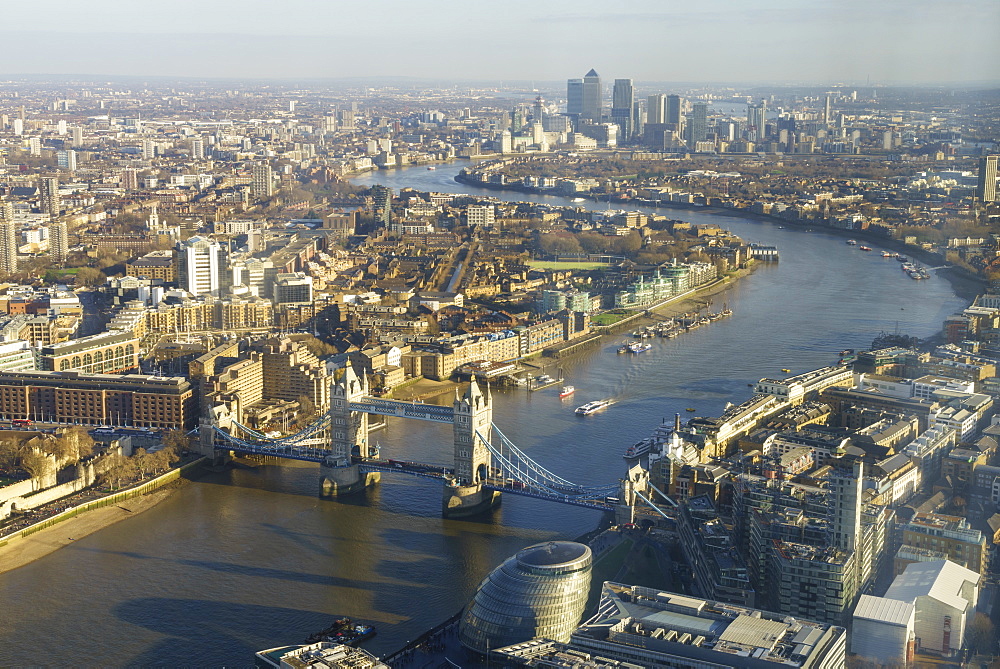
[890,41]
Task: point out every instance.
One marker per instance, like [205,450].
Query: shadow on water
[214,633]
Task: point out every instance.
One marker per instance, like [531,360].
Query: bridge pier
[460,501]
[338,477]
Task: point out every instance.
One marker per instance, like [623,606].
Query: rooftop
[552,554]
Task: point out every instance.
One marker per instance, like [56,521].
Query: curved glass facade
[539,592]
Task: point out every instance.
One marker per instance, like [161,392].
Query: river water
[251,558]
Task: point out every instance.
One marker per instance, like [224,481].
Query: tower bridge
[484,461]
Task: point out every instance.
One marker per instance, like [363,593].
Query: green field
[554,264]
[609,318]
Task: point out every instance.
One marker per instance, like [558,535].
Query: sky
[713,41]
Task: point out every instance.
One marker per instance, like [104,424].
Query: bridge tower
[465,495]
[338,475]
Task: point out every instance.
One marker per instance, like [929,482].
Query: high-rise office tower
[756,120]
[574,97]
[197,149]
[845,481]
[49,196]
[66,160]
[622,99]
[656,109]
[538,110]
[698,127]
[8,247]
[987,190]
[382,204]
[261,180]
[591,97]
[58,241]
[826,111]
[200,260]
[674,107]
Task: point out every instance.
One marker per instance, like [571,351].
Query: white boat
[431,168]
[566,391]
[591,407]
[851,242]
[637,347]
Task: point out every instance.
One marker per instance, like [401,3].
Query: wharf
[571,347]
[532,386]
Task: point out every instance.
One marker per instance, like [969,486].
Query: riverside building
[642,627]
[539,592]
[156,402]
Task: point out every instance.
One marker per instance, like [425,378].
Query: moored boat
[344,630]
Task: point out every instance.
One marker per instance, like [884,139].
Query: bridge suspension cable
[525,470]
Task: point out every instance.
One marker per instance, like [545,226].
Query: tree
[142,462]
[35,463]
[10,453]
[982,633]
[162,459]
[90,276]
[307,409]
[119,469]
[176,441]
[75,444]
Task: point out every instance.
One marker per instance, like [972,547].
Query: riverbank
[25,550]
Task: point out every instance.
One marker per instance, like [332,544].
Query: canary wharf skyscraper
[622,99]
[591,97]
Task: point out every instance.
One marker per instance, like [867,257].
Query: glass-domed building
[539,592]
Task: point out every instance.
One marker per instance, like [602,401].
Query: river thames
[250,558]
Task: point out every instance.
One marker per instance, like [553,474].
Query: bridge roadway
[418,410]
[437,472]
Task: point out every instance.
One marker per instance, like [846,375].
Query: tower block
[348,430]
[473,422]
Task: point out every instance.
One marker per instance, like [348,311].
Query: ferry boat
[566,391]
[639,448]
[591,407]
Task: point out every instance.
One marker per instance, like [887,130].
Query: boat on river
[591,407]
[345,631]
[566,391]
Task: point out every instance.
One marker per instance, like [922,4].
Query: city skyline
[885,43]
